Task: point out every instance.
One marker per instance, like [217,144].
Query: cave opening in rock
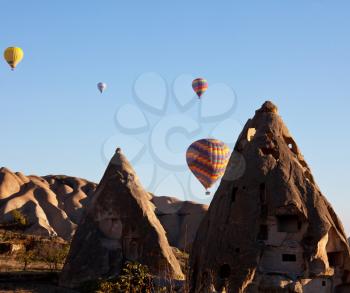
[262,192]
[291,144]
[270,151]
[263,232]
[251,133]
[289,258]
[224,271]
[288,223]
[233,193]
[263,200]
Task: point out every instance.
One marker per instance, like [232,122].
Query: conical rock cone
[269,228]
[119,225]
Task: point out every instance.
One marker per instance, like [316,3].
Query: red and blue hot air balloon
[207,159]
[199,85]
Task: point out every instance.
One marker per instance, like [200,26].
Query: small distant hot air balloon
[13,55]
[199,85]
[101,87]
[207,159]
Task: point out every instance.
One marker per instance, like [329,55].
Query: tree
[26,257]
[53,254]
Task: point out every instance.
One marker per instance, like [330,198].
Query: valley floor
[30,282]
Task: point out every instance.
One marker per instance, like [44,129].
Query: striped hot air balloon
[199,85]
[207,159]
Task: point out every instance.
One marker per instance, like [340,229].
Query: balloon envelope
[101,87]
[199,85]
[207,159]
[13,55]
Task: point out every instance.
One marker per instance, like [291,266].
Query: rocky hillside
[54,205]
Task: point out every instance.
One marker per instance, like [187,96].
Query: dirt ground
[30,282]
[8,264]
[32,288]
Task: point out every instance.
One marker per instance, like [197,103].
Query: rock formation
[180,219]
[119,225]
[270,230]
[54,204]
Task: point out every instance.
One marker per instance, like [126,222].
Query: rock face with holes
[271,230]
[119,225]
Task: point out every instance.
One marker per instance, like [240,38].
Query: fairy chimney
[270,230]
[119,225]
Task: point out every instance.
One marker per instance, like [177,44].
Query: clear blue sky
[296,53]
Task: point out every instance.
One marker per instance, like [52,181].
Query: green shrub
[134,278]
[19,218]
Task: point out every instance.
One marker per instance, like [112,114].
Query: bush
[134,278]
[19,218]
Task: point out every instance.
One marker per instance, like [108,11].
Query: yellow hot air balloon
[13,55]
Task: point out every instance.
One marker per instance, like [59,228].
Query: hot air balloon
[207,159]
[199,85]
[13,55]
[101,86]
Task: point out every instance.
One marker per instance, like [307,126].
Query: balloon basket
[207,193]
